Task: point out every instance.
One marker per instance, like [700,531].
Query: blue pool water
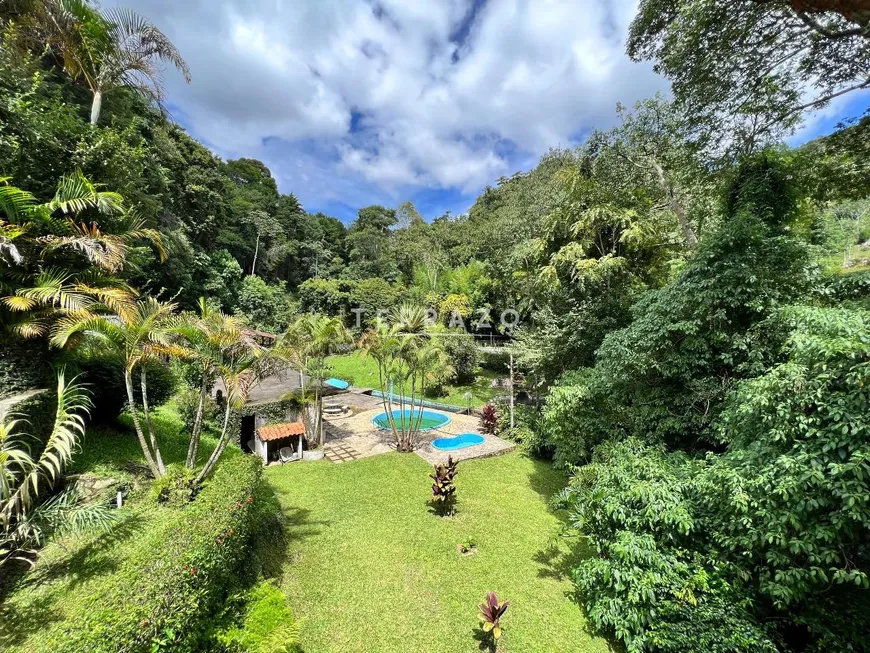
[459,442]
[428,420]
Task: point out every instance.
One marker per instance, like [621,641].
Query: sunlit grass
[370,568]
[362,371]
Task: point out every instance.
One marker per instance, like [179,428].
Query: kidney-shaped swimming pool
[458,442]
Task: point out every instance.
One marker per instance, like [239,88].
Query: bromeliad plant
[491,612]
[443,489]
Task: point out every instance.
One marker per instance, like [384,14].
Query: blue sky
[353,102]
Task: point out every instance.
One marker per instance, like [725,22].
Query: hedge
[176,576]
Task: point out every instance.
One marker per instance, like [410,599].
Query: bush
[714,553]
[648,584]
[267,626]
[177,575]
[24,364]
[464,355]
[187,402]
[104,378]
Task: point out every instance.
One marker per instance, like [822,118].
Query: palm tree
[240,364]
[108,48]
[209,338]
[40,280]
[140,332]
[408,355]
[305,345]
[23,480]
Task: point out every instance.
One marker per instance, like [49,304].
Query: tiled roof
[278,431]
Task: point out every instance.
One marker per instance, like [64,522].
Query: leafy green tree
[369,243]
[665,375]
[108,49]
[745,72]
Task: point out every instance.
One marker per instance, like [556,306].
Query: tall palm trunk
[158,459]
[128,383]
[193,447]
[219,449]
[96,107]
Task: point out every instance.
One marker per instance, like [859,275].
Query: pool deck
[354,436]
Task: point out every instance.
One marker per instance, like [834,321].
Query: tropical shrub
[178,575]
[267,624]
[650,583]
[463,353]
[491,612]
[757,548]
[665,376]
[28,514]
[443,488]
[488,419]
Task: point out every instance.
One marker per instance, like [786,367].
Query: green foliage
[170,584]
[463,353]
[665,375]
[23,365]
[267,626]
[327,296]
[743,73]
[105,380]
[265,307]
[647,583]
[768,532]
[27,516]
[176,487]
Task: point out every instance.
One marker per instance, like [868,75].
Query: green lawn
[363,372]
[369,568]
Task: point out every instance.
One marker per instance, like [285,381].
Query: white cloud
[349,101]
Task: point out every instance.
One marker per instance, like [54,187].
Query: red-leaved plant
[488,419]
[443,490]
[490,613]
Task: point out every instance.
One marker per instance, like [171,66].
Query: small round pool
[428,420]
[458,442]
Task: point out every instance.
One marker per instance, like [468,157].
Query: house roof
[278,431]
[284,382]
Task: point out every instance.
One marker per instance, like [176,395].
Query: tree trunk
[158,459]
[256,251]
[192,449]
[96,107]
[128,383]
[219,449]
[676,207]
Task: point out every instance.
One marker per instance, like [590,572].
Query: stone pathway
[340,452]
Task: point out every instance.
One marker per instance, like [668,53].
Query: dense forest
[692,298]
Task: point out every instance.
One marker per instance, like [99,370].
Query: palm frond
[76,193]
[69,425]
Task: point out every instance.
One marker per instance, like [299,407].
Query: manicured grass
[362,371]
[371,569]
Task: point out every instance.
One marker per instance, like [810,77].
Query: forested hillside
[683,297]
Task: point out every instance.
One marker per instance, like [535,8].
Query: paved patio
[355,436]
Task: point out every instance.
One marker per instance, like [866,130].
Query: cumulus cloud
[350,102]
